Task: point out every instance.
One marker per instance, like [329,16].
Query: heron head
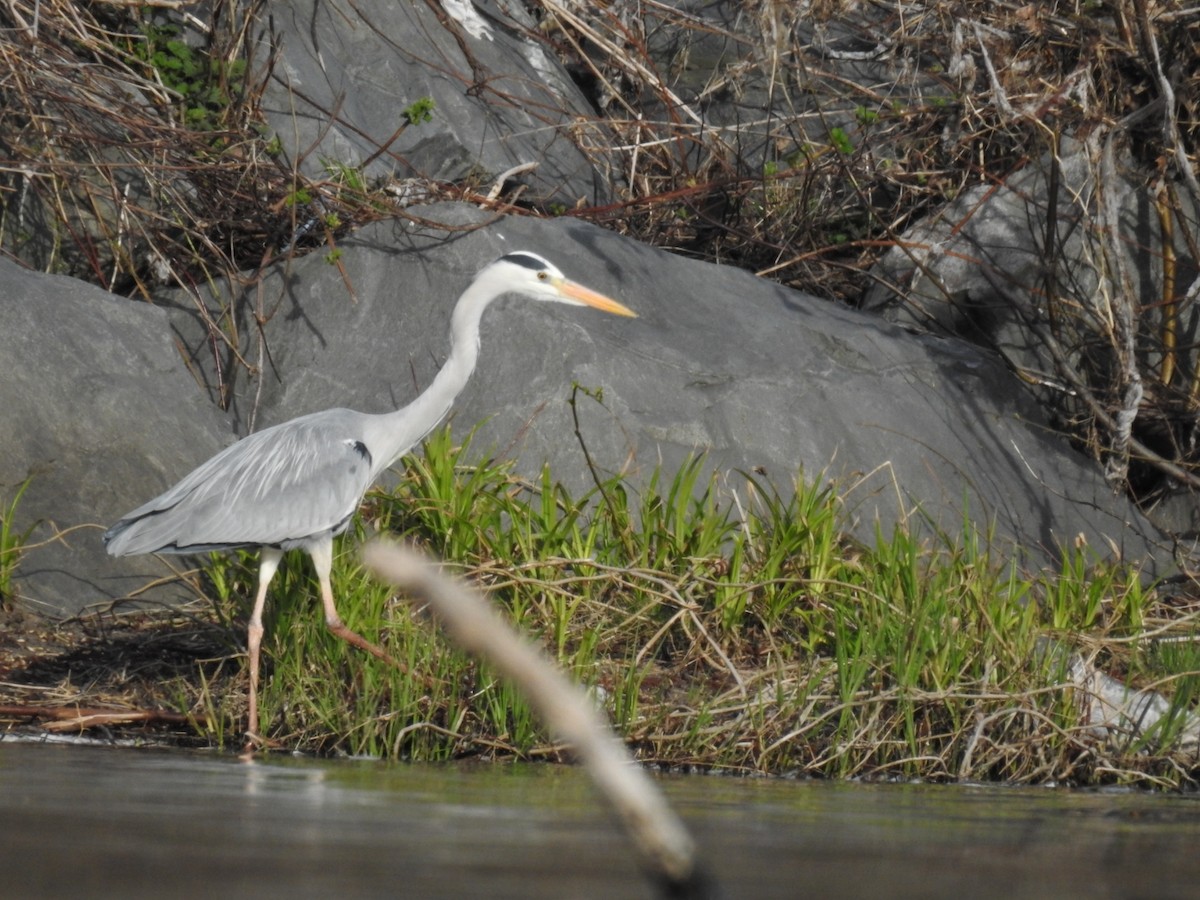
[533,276]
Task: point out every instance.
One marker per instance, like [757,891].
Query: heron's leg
[268,563]
[322,557]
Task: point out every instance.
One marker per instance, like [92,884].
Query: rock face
[755,375]
[980,269]
[1106,309]
[97,410]
[345,75]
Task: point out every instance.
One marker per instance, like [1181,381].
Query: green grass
[13,543]
[737,628]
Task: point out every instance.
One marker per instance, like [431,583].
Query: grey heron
[298,484]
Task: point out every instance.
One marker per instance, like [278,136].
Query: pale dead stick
[662,840]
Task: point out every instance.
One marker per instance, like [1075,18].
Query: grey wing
[281,486]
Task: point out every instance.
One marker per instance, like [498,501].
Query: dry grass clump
[870,116]
[865,118]
[133,152]
[128,144]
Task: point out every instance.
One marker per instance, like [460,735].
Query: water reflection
[87,821]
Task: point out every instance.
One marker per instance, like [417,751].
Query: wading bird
[298,484]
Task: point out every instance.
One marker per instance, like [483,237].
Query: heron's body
[298,484]
[216,506]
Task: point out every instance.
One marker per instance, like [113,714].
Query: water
[106,822]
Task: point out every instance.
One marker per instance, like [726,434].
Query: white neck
[392,434]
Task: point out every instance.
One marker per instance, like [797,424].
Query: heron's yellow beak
[593,299]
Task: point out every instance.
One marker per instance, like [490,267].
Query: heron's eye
[542,276]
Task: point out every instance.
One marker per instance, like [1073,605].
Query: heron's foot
[255,743]
[338,628]
[357,640]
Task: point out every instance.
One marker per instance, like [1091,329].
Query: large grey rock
[980,269]
[755,375]
[346,72]
[98,410]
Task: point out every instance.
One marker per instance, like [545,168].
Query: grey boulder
[346,73]
[98,411]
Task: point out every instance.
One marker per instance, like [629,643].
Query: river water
[91,821]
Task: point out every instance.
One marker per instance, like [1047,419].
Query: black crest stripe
[524,259]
